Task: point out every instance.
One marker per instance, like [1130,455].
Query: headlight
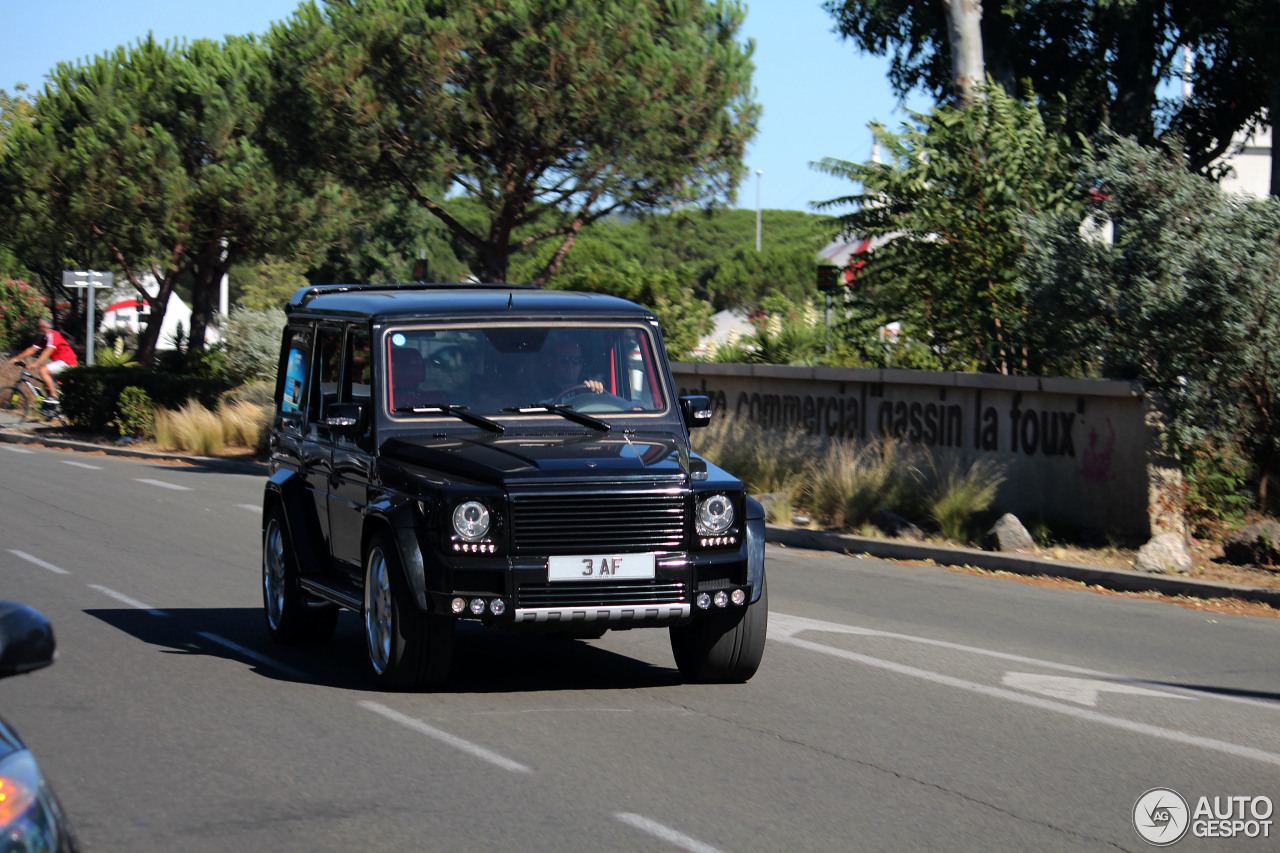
[715,515]
[471,520]
[27,821]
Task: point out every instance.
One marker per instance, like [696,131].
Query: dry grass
[196,429]
[843,484]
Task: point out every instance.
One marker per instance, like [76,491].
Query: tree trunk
[159,303]
[964,20]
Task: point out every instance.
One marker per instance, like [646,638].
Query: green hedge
[89,394]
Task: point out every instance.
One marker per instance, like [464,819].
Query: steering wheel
[571,392]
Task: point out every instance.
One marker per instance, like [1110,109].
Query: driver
[561,369]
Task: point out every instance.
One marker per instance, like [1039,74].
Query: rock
[1256,545]
[1008,534]
[1164,553]
[895,525]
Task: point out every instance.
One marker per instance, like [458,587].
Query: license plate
[604,567]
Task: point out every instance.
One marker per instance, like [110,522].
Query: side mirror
[26,639]
[345,418]
[696,411]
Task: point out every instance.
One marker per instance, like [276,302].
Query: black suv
[505,454]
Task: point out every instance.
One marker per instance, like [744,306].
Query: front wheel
[722,646]
[407,648]
[14,401]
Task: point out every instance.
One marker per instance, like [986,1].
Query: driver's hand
[595,385]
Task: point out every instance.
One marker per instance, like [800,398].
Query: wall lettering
[1030,432]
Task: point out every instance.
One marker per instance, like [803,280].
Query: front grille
[637,593]
[598,523]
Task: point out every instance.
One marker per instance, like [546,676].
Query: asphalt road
[897,708]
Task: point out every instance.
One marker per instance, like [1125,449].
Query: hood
[509,458]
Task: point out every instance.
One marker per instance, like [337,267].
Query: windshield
[506,369]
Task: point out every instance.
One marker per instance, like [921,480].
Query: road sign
[91,280]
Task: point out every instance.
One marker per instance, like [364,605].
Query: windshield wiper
[564,411]
[459,412]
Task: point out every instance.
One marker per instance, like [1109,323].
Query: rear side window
[293,371]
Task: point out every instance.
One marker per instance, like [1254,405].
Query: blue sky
[818,93]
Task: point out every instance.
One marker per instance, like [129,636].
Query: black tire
[407,648]
[14,401]
[291,616]
[722,646]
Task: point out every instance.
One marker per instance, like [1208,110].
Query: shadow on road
[484,661]
[1264,695]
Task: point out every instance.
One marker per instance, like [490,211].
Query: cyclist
[53,355]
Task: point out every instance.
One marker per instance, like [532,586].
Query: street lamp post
[759,172]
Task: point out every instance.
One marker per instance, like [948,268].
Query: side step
[328,593]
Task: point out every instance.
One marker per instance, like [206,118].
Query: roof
[488,301]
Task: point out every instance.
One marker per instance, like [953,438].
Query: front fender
[402,519]
[755,557]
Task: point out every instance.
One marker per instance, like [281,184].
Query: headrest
[407,369]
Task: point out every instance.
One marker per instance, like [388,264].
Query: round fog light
[497,607]
[477,606]
[738,597]
[722,598]
[704,601]
[458,605]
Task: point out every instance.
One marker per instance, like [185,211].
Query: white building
[1250,162]
[123,315]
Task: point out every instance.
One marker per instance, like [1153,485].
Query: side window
[357,367]
[326,372]
[292,374]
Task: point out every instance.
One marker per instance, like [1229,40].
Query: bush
[20,306]
[852,481]
[959,494]
[135,415]
[90,394]
[251,342]
[1215,477]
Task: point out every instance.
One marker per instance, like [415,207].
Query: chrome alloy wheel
[377,610]
[273,573]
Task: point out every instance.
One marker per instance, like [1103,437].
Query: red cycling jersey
[62,350]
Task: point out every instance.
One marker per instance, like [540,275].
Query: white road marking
[794,624]
[80,464]
[472,749]
[788,626]
[36,561]
[791,625]
[665,833]
[162,484]
[124,599]
[1082,691]
[295,674]
[13,449]
[250,507]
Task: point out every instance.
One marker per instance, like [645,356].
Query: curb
[1121,580]
[32,436]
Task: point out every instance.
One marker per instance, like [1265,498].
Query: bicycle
[27,397]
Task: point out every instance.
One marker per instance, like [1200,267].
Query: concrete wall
[1076,452]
